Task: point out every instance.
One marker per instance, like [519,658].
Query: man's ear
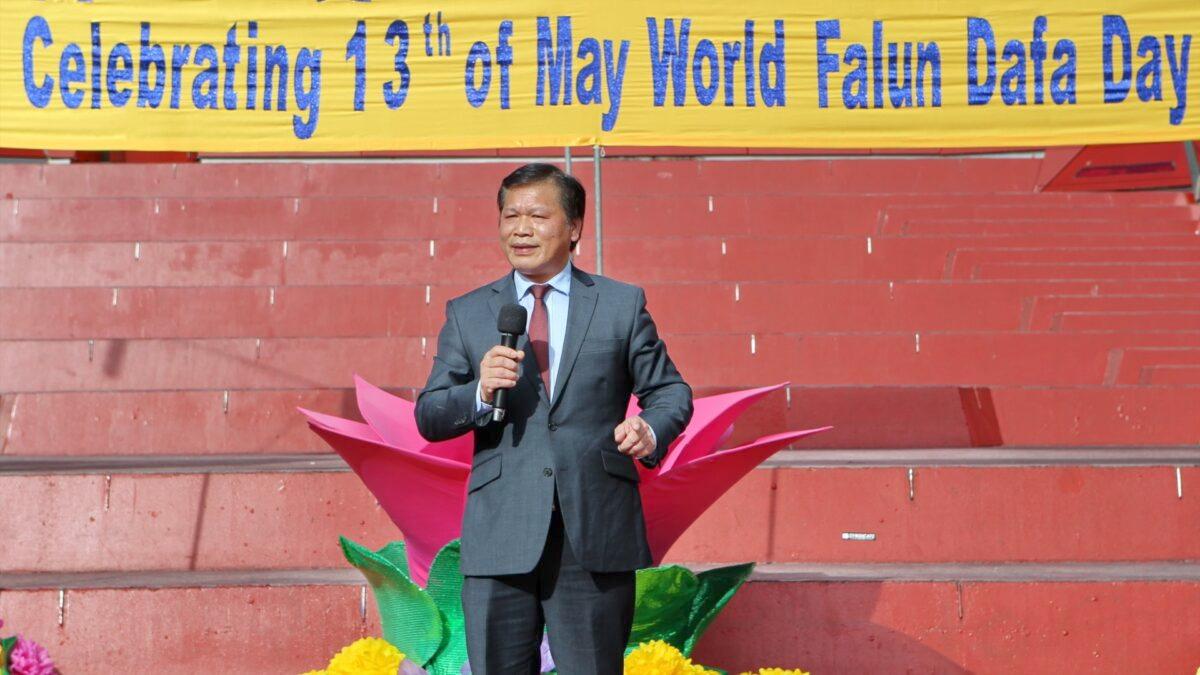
[576,231]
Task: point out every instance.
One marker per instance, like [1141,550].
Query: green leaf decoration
[445,587]
[676,606]
[410,619]
[6,647]
[717,587]
[662,605]
[672,603]
[397,554]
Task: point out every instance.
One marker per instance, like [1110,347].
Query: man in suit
[553,527]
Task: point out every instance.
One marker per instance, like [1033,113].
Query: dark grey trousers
[588,615]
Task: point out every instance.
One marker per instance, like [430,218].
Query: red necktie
[539,333]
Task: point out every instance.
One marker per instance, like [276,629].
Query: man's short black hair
[571,194]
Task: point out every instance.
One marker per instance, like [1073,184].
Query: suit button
[547,472]
[553,426]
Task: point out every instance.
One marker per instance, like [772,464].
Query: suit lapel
[505,291]
[579,318]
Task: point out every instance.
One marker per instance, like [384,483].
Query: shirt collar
[560,282]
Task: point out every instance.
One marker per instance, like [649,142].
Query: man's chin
[525,267]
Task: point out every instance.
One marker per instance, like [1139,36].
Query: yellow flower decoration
[778,671]
[366,656]
[659,658]
[314,672]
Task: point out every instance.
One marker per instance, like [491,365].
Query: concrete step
[285,512]
[979,359]
[481,178]
[305,216]
[472,261]
[264,421]
[1105,617]
[416,310]
[959,627]
[1022,215]
[1066,312]
[419,309]
[1086,224]
[966,262]
[1110,270]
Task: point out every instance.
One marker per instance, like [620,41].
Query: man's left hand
[634,437]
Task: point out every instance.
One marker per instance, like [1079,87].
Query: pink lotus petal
[341,425]
[711,418]
[422,485]
[673,501]
[424,495]
[393,418]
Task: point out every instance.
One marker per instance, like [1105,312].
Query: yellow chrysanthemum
[778,671]
[659,658]
[366,656]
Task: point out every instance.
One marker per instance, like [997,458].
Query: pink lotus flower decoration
[423,486]
[29,658]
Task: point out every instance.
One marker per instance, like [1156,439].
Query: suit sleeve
[666,400]
[446,407]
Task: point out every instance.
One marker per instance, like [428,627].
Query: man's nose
[524,227]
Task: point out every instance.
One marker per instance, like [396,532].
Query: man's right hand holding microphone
[498,370]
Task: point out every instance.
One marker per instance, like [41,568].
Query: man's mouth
[523,248]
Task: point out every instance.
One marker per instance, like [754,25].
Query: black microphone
[511,324]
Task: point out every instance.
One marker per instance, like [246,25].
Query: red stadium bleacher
[1012,375]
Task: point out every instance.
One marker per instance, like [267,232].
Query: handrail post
[1189,149]
[596,154]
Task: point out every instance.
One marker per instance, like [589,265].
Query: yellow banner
[340,75]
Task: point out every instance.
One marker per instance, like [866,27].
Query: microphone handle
[500,399]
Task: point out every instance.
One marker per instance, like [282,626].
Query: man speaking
[553,527]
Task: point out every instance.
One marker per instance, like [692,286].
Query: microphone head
[512,319]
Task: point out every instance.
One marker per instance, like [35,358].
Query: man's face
[535,232]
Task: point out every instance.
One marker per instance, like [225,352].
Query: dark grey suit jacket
[611,350]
